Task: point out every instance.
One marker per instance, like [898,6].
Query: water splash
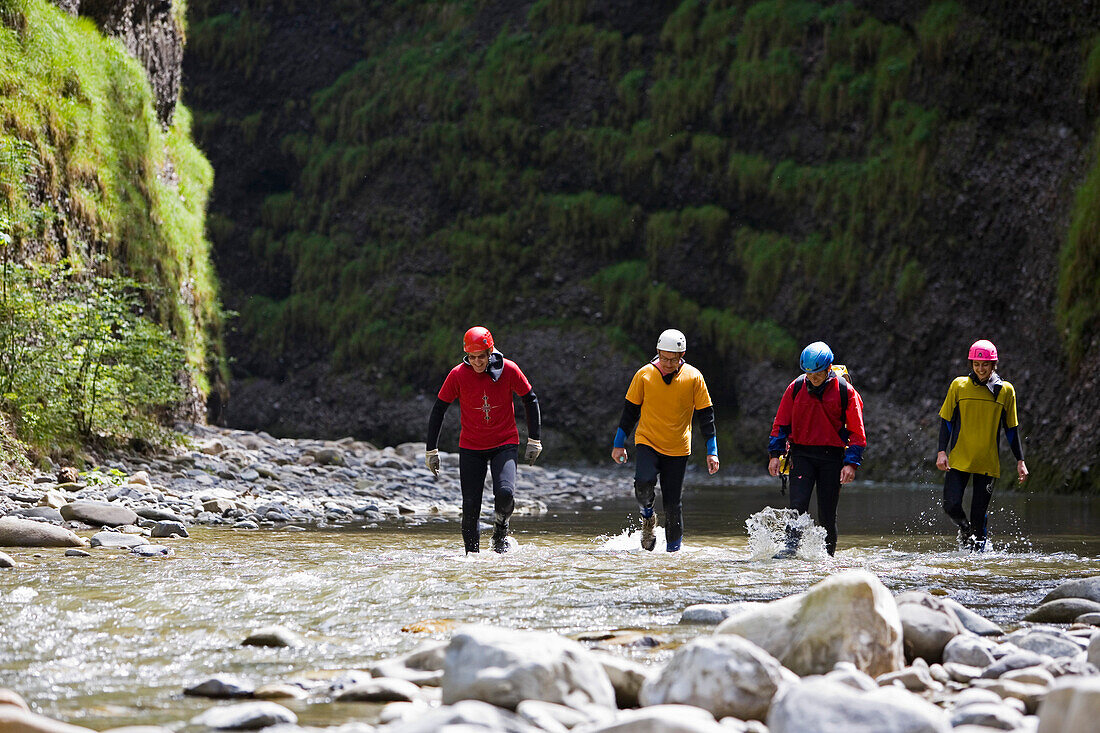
[768,533]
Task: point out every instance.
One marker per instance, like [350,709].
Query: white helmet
[672,340]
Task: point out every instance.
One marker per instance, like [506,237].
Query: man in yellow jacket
[662,399]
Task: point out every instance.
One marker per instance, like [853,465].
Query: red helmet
[983,350]
[477,339]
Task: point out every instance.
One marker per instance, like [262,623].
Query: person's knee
[645,492]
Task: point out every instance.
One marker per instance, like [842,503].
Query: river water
[113,640]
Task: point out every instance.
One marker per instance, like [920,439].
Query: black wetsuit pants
[820,465]
[472,465]
[650,466]
[954,485]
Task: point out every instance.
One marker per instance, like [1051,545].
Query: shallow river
[112,639]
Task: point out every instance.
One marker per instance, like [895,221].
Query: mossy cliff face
[99,170]
[897,179]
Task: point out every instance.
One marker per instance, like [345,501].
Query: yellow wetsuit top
[976,417]
[667,409]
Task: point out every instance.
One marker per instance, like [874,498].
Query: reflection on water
[112,639]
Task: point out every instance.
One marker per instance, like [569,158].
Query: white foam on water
[22,594]
[630,540]
[767,531]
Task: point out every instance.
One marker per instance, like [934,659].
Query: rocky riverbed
[845,656]
[250,480]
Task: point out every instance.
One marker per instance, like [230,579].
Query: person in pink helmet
[976,409]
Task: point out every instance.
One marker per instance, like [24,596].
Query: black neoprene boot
[500,536]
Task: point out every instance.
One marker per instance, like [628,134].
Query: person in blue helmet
[821,417]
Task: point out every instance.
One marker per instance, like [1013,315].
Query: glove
[431,459]
[534,448]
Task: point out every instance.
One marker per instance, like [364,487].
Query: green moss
[102,178]
[938,28]
[1079,265]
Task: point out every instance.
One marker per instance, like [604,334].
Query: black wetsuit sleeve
[705,417]
[435,422]
[1013,435]
[945,435]
[533,414]
[629,419]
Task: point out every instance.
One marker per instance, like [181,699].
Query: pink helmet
[983,350]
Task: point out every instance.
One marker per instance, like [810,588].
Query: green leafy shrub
[78,361]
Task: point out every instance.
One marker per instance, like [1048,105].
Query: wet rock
[19,532]
[1092,619]
[276,636]
[148,550]
[990,715]
[1052,642]
[503,667]
[626,677]
[168,529]
[712,613]
[422,666]
[77,553]
[973,622]
[50,514]
[280,691]
[973,651]
[98,513]
[1062,611]
[927,625]
[382,689]
[725,675]
[1087,588]
[14,719]
[221,686]
[245,716]
[849,617]
[6,561]
[1073,706]
[117,540]
[158,514]
[828,707]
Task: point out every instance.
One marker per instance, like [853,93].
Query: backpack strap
[845,395]
[797,387]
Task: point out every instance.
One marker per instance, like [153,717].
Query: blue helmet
[815,357]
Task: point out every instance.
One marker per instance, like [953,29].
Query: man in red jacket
[488,440]
[821,416]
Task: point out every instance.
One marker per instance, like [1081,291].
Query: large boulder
[1087,588]
[1073,706]
[504,667]
[927,625]
[18,532]
[99,513]
[823,706]
[1092,654]
[727,675]
[1062,611]
[848,617]
[1050,641]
